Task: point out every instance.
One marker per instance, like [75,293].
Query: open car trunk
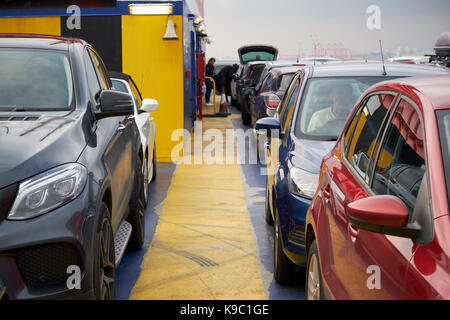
[257,53]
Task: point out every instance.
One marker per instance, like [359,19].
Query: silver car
[145,123]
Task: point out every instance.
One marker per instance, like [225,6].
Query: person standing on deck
[210,70]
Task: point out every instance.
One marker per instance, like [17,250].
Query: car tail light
[272,101]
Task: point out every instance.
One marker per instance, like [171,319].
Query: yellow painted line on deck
[204,246]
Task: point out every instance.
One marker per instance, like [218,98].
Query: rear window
[35,80]
[258,56]
[443,117]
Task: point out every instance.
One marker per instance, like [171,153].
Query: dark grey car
[70,171]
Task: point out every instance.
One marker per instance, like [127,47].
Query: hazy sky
[408,25]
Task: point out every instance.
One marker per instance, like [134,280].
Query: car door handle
[352,231]
[121,127]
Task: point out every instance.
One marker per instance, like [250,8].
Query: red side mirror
[382,214]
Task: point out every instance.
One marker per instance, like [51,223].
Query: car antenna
[382,59]
[298,54]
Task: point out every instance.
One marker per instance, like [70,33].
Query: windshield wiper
[22,109]
[14,109]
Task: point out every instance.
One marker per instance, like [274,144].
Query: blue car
[305,128]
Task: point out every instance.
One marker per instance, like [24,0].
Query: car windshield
[444,135]
[35,80]
[326,104]
[258,56]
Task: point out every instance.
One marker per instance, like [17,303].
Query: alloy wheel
[145,179]
[313,279]
[107,262]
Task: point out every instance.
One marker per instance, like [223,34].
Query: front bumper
[35,253]
[293,229]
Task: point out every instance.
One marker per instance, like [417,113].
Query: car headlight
[48,191]
[303,183]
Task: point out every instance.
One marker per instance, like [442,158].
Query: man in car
[341,97]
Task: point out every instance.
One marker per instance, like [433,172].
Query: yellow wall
[40,25]
[156,65]
[157,68]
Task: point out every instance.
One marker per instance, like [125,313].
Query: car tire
[268,216]
[145,181]
[104,277]
[313,281]
[153,164]
[284,269]
[137,213]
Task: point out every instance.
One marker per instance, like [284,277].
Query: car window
[101,70]
[119,86]
[255,75]
[136,94]
[94,85]
[258,56]
[284,81]
[265,83]
[360,151]
[401,163]
[443,117]
[288,108]
[326,104]
[35,79]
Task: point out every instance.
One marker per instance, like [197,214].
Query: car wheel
[268,217]
[284,269]
[104,260]
[145,182]
[314,289]
[137,214]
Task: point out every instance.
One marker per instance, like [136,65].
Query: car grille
[7,196]
[297,236]
[46,265]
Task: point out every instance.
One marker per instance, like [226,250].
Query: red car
[378,226]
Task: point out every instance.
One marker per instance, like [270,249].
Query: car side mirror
[149,105]
[269,127]
[115,104]
[383,214]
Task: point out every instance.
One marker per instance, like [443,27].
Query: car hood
[31,145]
[308,154]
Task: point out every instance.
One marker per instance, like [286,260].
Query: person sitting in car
[341,97]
